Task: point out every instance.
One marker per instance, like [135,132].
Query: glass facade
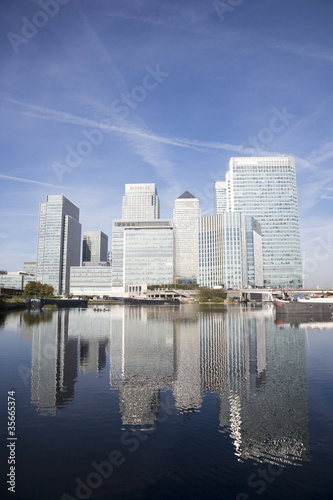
[211,251]
[230,251]
[186,217]
[254,252]
[15,280]
[92,280]
[142,252]
[59,242]
[234,250]
[265,187]
[148,255]
[95,247]
[220,197]
[30,268]
[140,202]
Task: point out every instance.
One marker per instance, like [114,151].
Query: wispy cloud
[321,154]
[130,129]
[19,179]
[307,50]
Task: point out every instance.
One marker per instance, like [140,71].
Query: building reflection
[187,379]
[61,345]
[265,409]
[141,361]
[54,364]
[256,370]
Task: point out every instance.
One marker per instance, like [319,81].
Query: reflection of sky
[320,391]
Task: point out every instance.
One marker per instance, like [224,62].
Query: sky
[96,94]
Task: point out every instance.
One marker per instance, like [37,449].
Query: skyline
[143,92]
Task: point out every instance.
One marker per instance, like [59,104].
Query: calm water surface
[188,402]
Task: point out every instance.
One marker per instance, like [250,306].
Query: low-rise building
[16,280]
[90,280]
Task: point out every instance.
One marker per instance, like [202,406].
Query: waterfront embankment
[14,304]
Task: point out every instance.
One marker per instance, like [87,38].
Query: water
[167,402]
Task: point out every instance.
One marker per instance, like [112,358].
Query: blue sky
[98,94]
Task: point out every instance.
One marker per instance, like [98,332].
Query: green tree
[37,289]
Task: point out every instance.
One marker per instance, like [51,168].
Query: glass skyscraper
[59,242]
[211,251]
[140,202]
[186,217]
[220,197]
[95,247]
[265,187]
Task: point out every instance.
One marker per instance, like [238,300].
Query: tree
[37,289]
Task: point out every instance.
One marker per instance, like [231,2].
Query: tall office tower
[59,242]
[186,215]
[255,276]
[234,250]
[211,251]
[140,202]
[230,251]
[220,197]
[142,253]
[265,187]
[95,247]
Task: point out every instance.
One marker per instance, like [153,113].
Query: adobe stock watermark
[260,479]
[322,253]
[278,122]
[224,7]
[122,108]
[102,471]
[266,135]
[40,19]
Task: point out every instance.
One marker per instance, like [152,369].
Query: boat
[304,305]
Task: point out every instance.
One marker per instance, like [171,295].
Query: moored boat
[304,305]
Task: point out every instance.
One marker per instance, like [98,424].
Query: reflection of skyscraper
[213,352]
[54,364]
[141,363]
[266,410]
[92,355]
[187,382]
[274,418]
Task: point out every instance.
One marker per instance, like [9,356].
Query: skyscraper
[220,197]
[186,216]
[95,247]
[265,187]
[230,251]
[211,251]
[59,242]
[140,202]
